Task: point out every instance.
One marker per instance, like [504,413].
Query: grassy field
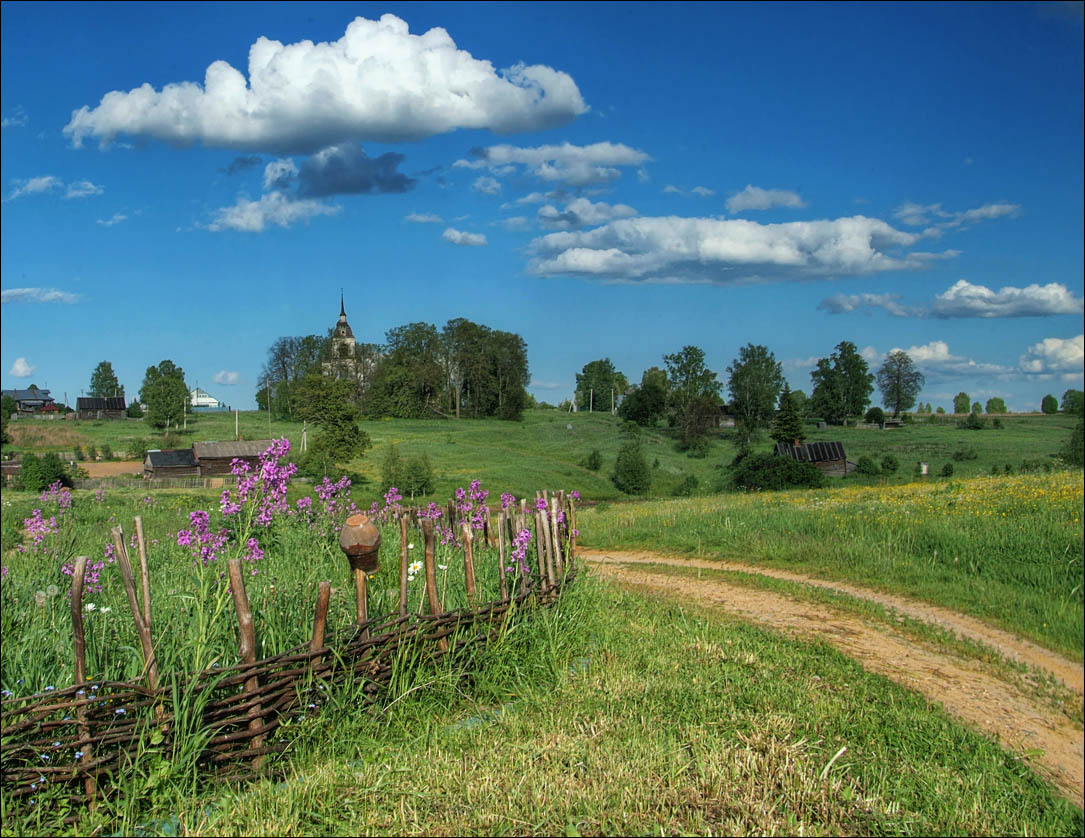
[549,448]
[1006,549]
[615,714]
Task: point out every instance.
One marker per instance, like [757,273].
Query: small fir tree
[787,426]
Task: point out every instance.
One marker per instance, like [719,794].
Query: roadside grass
[1030,680]
[619,714]
[549,448]
[1007,550]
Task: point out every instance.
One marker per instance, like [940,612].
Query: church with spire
[342,361]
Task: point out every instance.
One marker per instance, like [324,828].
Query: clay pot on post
[360,540]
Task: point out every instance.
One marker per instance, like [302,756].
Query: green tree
[961,402]
[631,472]
[787,426]
[596,383]
[418,475]
[409,380]
[995,405]
[8,406]
[1073,402]
[647,404]
[874,416]
[164,394]
[842,384]
[329,404]
[899,381]
[1049,405]
[392,469]
[689,378]
[103,382]
[754,380]
[1074,452]
[977,408]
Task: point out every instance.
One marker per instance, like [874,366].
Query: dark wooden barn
[217,457]
[90,407]
[173,462]
[827,457]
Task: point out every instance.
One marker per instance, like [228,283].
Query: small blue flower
[45,757]
[78,754]
[120,711]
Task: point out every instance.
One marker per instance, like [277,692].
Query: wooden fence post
[150,667]
[555,538]
[431,567]
[144,572]
[78,579]
[247,650]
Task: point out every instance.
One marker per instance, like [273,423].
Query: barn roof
[812,452]
[243,448]
[171,457]
[95,403]
[29,395]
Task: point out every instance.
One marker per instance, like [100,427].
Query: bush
[35,475]
[974,422]
[594,462]
[996,423]
[79,454]
[135,411]
[631,472]
[698,448]
[947,470]
[392,470]
[687,487]
[92,452]
[962,454]
[867,466]
[1074,452]
[769,472]
[890,464]
[107,452]
[418,476]
[874,416]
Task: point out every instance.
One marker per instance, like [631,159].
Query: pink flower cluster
[38,528]
[204,544]
[57,493]
[519,551]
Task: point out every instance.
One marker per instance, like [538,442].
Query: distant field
[548,448]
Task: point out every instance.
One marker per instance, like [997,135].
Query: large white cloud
[935,357]
[756,198]
[581,212]
[378,82]
[566,163]
[963,299]
[674,249]
[37,295]
[272,208]
[1051,356]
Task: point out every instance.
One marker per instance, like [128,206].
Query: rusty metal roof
[811,452]
[219,450]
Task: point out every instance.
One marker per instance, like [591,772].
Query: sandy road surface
[964,688]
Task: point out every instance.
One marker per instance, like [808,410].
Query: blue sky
[191,181]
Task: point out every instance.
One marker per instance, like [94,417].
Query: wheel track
[964,688]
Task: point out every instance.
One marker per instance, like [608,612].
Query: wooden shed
[217,457]
[171,462]
[827,457]
[89,407]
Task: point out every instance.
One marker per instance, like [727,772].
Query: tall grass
[1008,550]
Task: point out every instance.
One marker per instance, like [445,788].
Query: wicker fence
[82,736]
[136,482]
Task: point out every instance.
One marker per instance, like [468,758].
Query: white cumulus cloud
[963,299]
[34,186]
[226,377]
[674,249]
[935,357]
[756,198]
[21,369]
[83,189]
[581,212]
[566,163]
[486,185]
[378,82]
[1055,356]
[37,295]
[423,218]
[117,218]
[272,208]
[459,237]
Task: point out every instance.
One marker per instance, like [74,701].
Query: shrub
[947,470]
[1074,452]
[687,487]
[107,452]
[698,448]
[769,472]
[867,465]
[996,423]
[418,475]
[594,462]
[974,422]
[874,416]
[1049,404]
[135,411]
[631,472]
[92,452]
[36,474]
[79,454]
[392,470]
[962,454]
[890,464]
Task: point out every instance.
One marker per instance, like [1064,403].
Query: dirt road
[963,687]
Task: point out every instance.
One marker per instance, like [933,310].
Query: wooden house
[31,400]
[172,462]
[90,407]
[827,457]
[217,457]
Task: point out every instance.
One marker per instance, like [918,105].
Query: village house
[827,457]
[90,407]
[31,400]
[171,462]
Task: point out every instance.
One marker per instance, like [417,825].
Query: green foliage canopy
[754,380]
[899,381]
[164,393]
[104,383]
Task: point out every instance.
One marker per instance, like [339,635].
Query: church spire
[342,305]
